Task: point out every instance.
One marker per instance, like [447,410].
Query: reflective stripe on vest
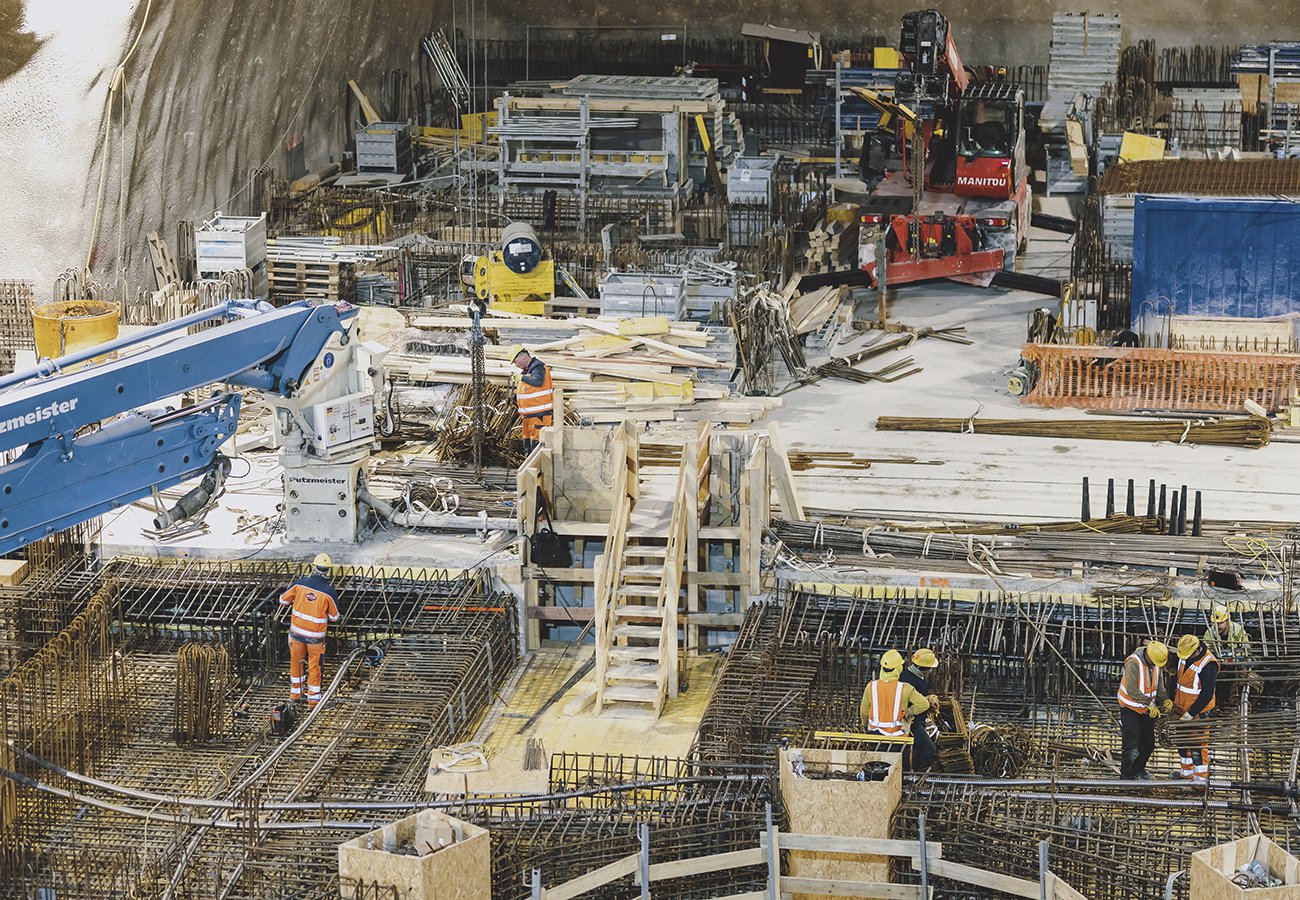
[1189,683]
[536,401]
[894,724]
[1146,684]
[312,613]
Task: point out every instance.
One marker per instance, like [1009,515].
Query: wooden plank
[604,875]
[699,358]
[942,868]
[828,887]
[367,110]
[13,571]
[681,868]
[858,845]
[783,475]
[1061,890]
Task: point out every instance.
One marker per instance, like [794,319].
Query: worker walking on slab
[889,703]
[534,395]
[312,606]
[1230,643]
[1198,670]
[1142,700]
[916,673]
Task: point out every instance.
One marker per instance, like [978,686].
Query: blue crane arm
[66,473]
[268,350]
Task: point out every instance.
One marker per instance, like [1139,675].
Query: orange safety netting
[1091,377]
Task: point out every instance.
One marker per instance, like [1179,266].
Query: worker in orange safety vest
[312,605]
[1198,670]
[534,395]
[888,704]
[1142,699]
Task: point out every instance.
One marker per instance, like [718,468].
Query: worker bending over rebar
[312,605]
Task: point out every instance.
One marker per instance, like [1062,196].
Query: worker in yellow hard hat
[1198,671]
[888,704]
[1230,643]
[917,674]
[312,603]
[1143,698]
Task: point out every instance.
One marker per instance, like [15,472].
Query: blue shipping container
[1215,257]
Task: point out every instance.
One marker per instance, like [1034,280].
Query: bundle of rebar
[1237,431]
[202,680]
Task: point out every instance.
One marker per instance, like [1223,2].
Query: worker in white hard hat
[534,395]
[1143,698]
[313,605]
[1230,643]
[888,704]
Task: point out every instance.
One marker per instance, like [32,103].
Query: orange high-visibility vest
[890,694]
[1189,683]
[313,610]
[1146,683]
[535,401]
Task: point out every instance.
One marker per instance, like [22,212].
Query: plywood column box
[1213,868]
[845,808]
[422,857]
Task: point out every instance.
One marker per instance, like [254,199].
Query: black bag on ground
[546,548]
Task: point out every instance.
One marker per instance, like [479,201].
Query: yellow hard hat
[891,661]
[1187,645]
[1158,653]
[1220,614]
[323,561]
[515,350]
[925,658]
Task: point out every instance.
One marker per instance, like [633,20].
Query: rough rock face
[214,90]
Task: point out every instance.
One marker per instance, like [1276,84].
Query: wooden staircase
[639,590]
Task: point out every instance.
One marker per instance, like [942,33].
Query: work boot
[1144,776]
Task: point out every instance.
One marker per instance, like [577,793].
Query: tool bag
[546,548]
[283,717]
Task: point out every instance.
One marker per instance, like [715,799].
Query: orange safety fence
[1091,377]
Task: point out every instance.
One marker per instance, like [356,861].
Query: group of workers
[898,703]
[1199,682]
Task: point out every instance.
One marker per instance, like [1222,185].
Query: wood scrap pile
[1245,431]
[832,246]
[647,369]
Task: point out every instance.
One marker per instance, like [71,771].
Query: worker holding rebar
[1142,699]
[889,704]
[534,395]
[1230,643]
[312,603]
[916,673]
[1198,670]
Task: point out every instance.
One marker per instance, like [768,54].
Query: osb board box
[1213,868]
[13,571]
[422,857]
[836,807]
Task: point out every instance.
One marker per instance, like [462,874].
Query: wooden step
[645,552]
[655,573]
[633,672]
[639,590]
[628,693]
[634,654]
[645,632]
[632,611]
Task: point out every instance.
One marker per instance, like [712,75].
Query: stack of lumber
[832,247]
[811,312]
[1239,431]
[647,369]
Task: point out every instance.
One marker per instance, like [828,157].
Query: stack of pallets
[297,279]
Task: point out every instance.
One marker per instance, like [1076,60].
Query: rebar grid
[439,649]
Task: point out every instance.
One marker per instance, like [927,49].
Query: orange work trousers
[311,654]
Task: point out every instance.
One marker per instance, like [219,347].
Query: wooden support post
[773,859]
[783,476]
[645,861]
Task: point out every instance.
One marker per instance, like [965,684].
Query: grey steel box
[384,147]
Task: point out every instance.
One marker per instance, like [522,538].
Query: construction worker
[312,606]
[1142,700]
[1198,670]
[888,703]
[1230,643]
[916,673]
[534,395]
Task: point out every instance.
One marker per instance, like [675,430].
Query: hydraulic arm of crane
[75,465]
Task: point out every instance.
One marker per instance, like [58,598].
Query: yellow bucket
[72,325]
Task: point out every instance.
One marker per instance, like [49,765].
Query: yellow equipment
[515,278]
[891,661]
[323,561]
[1220,614]
[925,658]
[1187,645]
[1158,653]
